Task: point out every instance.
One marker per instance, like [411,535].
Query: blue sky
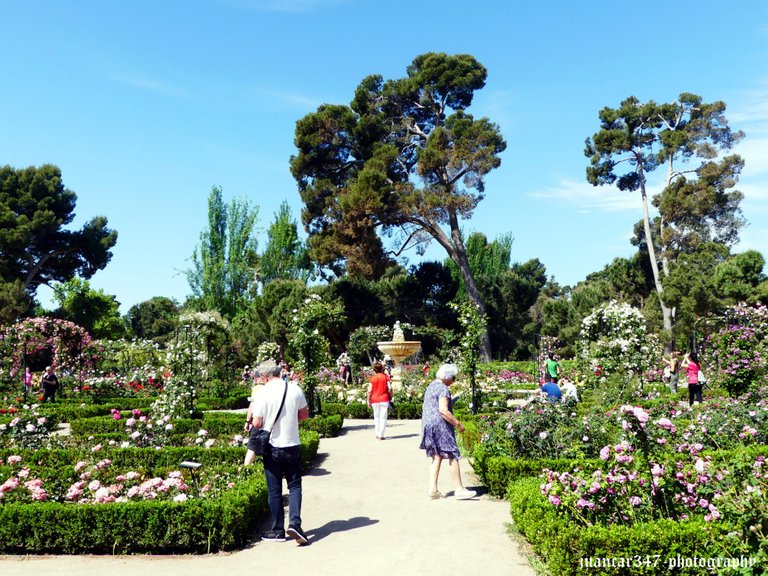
[146,105]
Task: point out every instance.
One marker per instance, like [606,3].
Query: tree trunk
[666,311]
[457,252]
[459,255]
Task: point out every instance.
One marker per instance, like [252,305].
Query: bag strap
[282,403]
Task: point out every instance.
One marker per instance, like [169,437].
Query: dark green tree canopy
[153,318]
[404,154]
[698,203]
[35,246]
[404,160]
[94,310]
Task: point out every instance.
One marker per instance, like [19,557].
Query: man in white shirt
[283,458]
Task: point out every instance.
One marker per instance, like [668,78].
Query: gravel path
[366,513]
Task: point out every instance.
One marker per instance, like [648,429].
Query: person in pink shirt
[27,380]
[692,368]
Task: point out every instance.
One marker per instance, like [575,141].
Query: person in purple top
[438,433]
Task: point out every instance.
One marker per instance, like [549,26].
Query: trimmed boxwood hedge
[328,426]
[228,403]
[496,472]
[71,410]
[217,424]
[567,546]
[193,526]
[205,525]
[401,411]
[108,425]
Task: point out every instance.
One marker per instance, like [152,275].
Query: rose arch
[60,343]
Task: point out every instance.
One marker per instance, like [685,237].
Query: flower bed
[653,478]
[652,547]
[404,411]
[131,500]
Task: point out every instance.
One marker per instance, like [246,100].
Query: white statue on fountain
[398,336]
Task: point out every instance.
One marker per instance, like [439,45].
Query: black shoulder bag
[261,436]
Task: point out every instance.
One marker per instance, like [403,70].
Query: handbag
[261,436]
[701,378]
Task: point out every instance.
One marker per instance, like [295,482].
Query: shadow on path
[401,436]
[333,526]
[317,472]
[346,429]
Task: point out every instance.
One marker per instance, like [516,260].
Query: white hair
[268,368]
[447,371]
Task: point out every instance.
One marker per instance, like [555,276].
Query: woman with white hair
[438,432]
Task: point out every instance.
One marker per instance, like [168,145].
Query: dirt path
[366,513]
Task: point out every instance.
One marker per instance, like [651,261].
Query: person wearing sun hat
[438,433]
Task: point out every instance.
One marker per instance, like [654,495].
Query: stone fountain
[398,349]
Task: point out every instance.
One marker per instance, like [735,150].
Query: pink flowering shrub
[741,349]
[28,429]
[100,482]
[655,471]
[144,431]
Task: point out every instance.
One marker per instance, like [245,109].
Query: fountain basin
[399,350]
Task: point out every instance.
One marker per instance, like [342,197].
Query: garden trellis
[39,342]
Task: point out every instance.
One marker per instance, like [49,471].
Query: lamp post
[192,467]
[24,369]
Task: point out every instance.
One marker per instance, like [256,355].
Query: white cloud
[148,84]
[755,194]
[498,106]
[753,238]
[750,106]
[302,101]
[754,150]
[588,198]
[749,112]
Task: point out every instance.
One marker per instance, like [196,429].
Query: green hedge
[327,426]
[568,548]
[220,424]
[401,411]
[310,443]
[406,411]
[330,408]
[72,410]
[69,412]
[193,526]
[227,403]
[496,472]
[204,525]
[108,425]
[121,403]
